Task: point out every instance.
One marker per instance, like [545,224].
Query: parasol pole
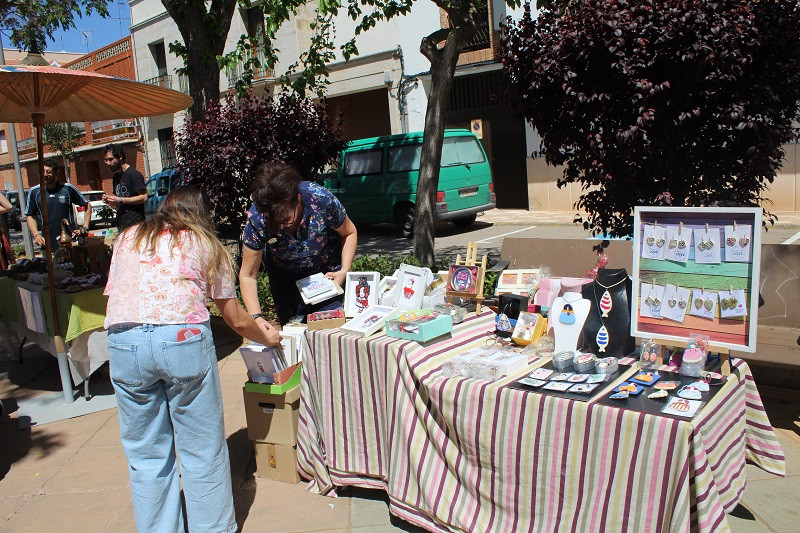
[38,122]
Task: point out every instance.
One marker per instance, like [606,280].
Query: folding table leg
[66,379]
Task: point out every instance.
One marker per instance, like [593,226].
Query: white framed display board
[696,270]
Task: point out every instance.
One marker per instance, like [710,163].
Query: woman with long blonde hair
[164,366]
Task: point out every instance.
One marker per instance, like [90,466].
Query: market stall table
[25,311]
[457,454]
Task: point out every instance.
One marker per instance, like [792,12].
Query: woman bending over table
[164,365]
[300,229]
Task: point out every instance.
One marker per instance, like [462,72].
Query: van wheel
[404,220]
[464,222]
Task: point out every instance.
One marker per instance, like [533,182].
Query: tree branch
[429,45]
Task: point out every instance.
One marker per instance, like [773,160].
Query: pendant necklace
[604,306]
[567,315]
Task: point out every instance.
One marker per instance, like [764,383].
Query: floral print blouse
[316,247]
[167,287]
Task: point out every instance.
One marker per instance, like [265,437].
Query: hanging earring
[673,243]
[650,241]
[708,304]
[660,243]
[681,244]
[698,303]
[656,302]
[744,241]
[730,241]
[723,304]
[682,304]
[671,302]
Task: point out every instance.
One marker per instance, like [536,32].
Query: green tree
[63,139]
[32,22]
[658,102]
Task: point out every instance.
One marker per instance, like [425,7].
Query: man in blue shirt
[60,199]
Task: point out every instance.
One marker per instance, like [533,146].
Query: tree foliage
[63,139]
[32,22]
[222,151]
[658,102]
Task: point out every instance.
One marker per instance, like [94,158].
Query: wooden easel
[471,260]
[724,354]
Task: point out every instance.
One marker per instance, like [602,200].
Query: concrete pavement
[72,475]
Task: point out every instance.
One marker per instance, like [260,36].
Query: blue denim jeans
[170,402]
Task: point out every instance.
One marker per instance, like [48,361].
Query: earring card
[708,260]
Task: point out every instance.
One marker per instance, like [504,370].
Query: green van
[377,179]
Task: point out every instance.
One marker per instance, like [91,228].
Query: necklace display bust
[567,316]
[607,331]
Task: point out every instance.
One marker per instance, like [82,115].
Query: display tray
[643,404]
[581,397]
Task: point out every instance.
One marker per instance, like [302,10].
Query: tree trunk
[66,167]
[204,30]
[443,66]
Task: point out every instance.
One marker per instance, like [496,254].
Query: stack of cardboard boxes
[272,413]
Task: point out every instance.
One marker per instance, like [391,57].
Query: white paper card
[678,244]
[704,304]
[682,407]
[676,303]
[732,303]
[707,246]
[652,300]
[653,242]
[737,243]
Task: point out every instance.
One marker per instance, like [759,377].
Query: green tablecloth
[78,312]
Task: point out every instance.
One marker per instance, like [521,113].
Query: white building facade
[384,91]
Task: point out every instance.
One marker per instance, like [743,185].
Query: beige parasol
[46,94]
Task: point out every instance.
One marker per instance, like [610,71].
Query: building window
[159,57]
[3,142]
[166,145]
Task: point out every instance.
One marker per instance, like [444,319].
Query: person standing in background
[60,199]
[130,192]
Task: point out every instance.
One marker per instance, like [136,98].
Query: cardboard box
[276,461]
[288,382]
[326,323]
[272,417]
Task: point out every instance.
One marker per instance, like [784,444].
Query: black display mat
[570,395]
[643,404]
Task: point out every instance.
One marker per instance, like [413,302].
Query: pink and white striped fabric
[458,454]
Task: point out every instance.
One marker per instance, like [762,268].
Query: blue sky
[103,30]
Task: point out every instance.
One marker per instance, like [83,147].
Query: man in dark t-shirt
[60,199]
[130,193]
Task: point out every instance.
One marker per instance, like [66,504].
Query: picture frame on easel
[471,275]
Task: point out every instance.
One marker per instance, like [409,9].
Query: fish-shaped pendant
[602,339]
[606,304]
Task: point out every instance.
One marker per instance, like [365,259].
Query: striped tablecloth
[457,454]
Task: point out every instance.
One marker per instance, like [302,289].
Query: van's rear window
[461,151]
[359,163]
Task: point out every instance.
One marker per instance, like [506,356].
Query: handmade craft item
[658,394]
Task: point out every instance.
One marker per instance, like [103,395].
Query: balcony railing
[106,131]
[234,74]
[26,147]
[163,80]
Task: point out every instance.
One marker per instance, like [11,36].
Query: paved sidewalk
[523,217]
[72,475]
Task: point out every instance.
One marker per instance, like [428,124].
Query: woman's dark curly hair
[275,191]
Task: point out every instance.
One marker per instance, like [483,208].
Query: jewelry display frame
[725,334]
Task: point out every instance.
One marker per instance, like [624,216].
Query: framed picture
[463,278]
[262,362]
[386,290]
[370,321]
[411,284]
[521,281]
[361,292]
[697,270]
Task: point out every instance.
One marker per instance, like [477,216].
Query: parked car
[158,187]
[101,211]
[13,216]
[377,179]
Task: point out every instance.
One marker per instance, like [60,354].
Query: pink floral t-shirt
[167,287]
